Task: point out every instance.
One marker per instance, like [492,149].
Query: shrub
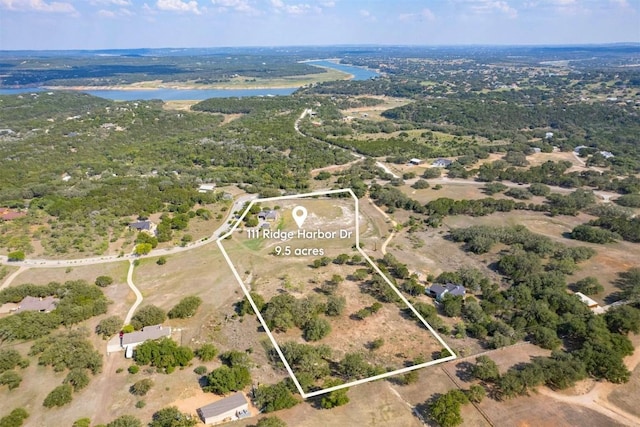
[78,379]
[104,281]
[316,329]
[225,379]
[16,256]
[172,417]
[11,379]
[200,370]
[589,286]
[141,404]
[59,396]
[125,421]
[163,354]
[133,369]
[185,308]
[82,422]
[148,315]
[142,387]
[162,260]
[109,326]
[270,421]
[274,397]
[15,418]
[206,352]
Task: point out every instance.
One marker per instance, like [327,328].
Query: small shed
[591,303]
[415,161]
[230,408]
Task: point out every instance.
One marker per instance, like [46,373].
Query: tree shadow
[464,371]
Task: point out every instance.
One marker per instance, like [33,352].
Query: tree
[125,421]
[589,286]
[11,379]
[185,308]
[163,353]
[82,422]
[78,379]
[172,417]
[334,398]
[142,387]
[452,305]
[59,396]
[109,326]
[206,352]
[485,369]
[476,393]
[16,256]
[445,410]
[10,358]
[147,316]
[224,380]
[270,422]
[316,329]
[162,260]
[629,282]
[335,305]
[142,248]
[15,418]
[274,397]
[623,319]
[104,281]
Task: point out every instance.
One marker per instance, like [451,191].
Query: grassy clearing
[41,276]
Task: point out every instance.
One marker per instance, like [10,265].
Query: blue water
[200,94]
[358,73]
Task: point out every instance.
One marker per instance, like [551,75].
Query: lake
[200,94]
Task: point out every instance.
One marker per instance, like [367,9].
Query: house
[128,342]
[230,408]
[415,162]
[441,163]
[206,188]
[548,135]
[536,149]
[606,154]
[143,226]
[438,291]
[589,302]
[42,305]
[9,214]
[269,215]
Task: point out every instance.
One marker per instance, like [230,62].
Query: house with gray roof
[128,342]
[438,291]
[42,305]
[230,408]
[441,163]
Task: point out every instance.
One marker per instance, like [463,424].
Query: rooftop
[221,406]
[46,304]
[147,333]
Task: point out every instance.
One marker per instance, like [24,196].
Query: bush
[141,404]
[589,286]
[162,260]
[270,421]
[200,370]
[10,358]
[274,397]
[77,378]
[445,410]
[142,387]
[109,326]
[588,233]
[16,256]
[316,329]
[11,379]
[147,316]
[59,396]
[335,305]
[185,308]
[420,184]
[125,421]
[206,352]
[224,380]
[82,422]
[133,369]
[163,354]
[104,281]
[15,418]
[172,417]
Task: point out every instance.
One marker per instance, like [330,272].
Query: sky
[121,24]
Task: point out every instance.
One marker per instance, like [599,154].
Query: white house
[441,163]
[415,161]
[206,188]
[230,408]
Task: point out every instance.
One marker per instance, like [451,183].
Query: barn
[230,408]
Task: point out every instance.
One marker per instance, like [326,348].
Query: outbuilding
[230,408]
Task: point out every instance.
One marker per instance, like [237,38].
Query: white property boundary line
[366,257]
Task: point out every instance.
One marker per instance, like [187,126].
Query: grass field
[269,275]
